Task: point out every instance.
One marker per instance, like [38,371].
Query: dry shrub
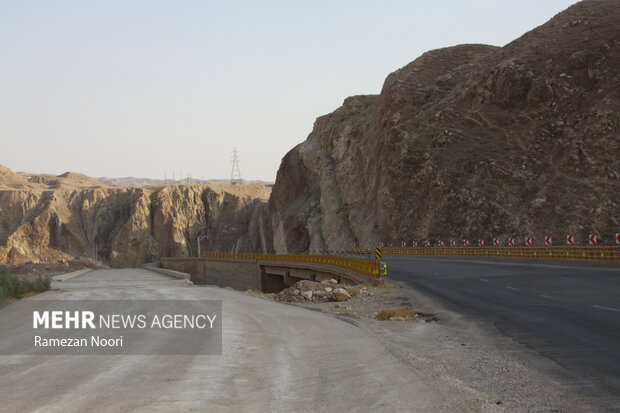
[388,313]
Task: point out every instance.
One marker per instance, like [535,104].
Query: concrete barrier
[267,276]
[171,273]
[69,275]
[557,252]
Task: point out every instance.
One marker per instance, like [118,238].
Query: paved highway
[276,358]
[568,314]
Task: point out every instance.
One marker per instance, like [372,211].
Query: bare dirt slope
[49,219]
[470,141]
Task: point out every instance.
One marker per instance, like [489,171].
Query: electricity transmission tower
[235,175]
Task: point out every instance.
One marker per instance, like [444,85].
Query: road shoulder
[478,367]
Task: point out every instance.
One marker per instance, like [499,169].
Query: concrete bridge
[268,276]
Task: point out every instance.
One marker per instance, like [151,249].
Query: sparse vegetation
[389,313]
[12,287]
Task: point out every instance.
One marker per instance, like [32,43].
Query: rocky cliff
[465,142]
[46,218]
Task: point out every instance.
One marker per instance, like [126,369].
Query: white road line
[548,296]
[513,288]
[605,308]
[484,281]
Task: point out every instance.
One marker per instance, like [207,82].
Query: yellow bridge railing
[599,253]
[369,268]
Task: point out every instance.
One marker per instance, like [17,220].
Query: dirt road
[276,357]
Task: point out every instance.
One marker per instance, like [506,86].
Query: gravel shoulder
[481,369]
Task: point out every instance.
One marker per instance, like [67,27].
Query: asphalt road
[568,314]
[276,358]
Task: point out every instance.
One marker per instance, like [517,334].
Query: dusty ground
[484,370]
[276,358]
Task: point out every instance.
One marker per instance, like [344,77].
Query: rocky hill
[465,142]
[46,218]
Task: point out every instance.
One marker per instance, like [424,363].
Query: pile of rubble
[313,291]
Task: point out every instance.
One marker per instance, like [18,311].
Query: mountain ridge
[46,218]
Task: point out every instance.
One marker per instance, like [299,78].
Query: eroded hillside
[47,219]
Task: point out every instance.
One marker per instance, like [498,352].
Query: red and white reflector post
[453,243]
[570,239]
[481,243]
[592,239]
[528,241]
[415,243]
[427,243]
[548,240]
[511,242]
[466,243]
[496,242]
[618,238]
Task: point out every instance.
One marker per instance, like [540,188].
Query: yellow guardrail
[599,253]
[369,268]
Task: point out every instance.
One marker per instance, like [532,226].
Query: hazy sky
[136,88]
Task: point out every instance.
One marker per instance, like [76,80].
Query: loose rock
[313,291]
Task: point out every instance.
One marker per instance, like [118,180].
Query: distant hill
[10,180]
[138,182]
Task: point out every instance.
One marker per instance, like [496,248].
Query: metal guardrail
[373,269]
[598,253]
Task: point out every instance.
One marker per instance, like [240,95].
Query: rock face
[465,142]
[46,219]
